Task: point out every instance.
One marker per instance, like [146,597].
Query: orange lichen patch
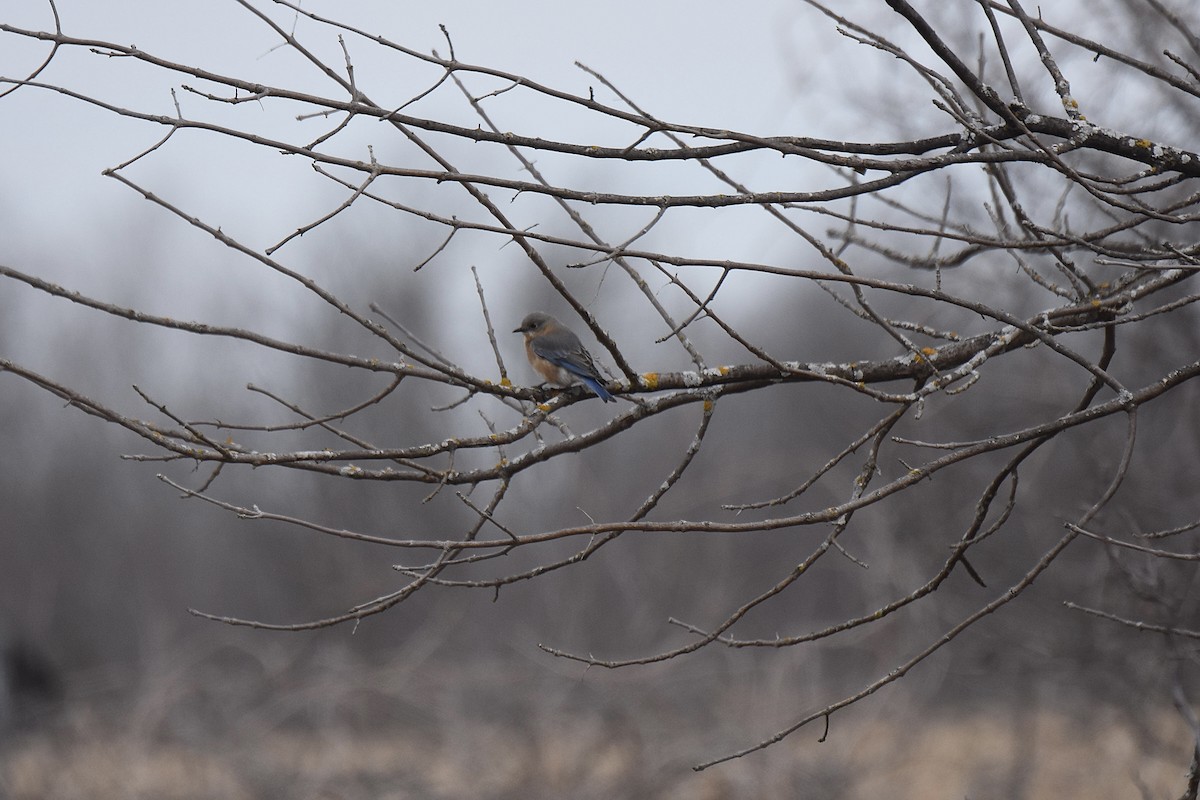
[650,379]
[929,351]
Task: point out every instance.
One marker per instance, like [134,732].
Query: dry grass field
[973,757]
[238,727]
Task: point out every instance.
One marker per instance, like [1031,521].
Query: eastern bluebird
[558,356]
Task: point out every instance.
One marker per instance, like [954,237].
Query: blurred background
[110,688]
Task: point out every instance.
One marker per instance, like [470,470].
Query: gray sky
[682,61]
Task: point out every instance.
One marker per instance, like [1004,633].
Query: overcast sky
[702,62]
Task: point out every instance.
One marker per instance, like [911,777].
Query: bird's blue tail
[597,389]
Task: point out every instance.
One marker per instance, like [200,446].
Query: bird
[556,354]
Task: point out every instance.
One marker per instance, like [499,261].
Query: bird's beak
[518,330]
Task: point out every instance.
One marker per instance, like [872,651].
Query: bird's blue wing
[567,352]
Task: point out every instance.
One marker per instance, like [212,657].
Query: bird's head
[534,324]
